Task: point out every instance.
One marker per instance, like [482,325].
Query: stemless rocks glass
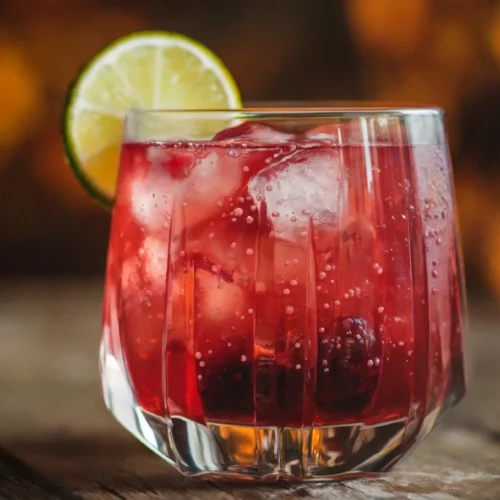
[284,289]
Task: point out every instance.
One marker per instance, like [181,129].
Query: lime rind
[73,162]
[75,103]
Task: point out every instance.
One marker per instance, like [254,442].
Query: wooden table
[58,441]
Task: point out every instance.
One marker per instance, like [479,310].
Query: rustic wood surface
[58,442]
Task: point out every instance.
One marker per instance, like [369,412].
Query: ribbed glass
[284,290]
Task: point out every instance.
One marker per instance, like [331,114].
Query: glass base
[240,452]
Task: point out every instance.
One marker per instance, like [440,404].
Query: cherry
[349,364]
[225,383]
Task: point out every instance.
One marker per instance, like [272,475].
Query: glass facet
[284,290]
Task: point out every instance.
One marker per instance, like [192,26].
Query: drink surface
[271,279]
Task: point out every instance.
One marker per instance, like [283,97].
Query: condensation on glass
[284,289]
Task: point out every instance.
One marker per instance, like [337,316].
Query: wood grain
[57,441]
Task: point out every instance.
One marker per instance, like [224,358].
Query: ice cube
[255,133]
[200,182]
[141,309]
[236,256]
[287,265]
[299,187]
[228,242]
[130,280]
[151,198]
[219,302]
[143,275]
[200,192]
[225,252]
[218,179]
[358,237]
[154,254]
[212,181]
[336,133]
[202,302]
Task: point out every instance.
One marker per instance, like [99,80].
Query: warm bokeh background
[443,52]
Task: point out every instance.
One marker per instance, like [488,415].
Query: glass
[284,289]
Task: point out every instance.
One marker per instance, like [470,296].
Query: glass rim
[299,109]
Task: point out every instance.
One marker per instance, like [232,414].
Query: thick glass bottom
[241,452]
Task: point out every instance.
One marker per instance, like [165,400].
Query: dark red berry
[349,363]
[225,382]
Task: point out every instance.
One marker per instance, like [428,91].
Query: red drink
[265,279]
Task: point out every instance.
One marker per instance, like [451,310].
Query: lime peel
[145,70]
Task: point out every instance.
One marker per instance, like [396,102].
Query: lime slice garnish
[145,70]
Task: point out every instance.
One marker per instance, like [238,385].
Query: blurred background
[440,52]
